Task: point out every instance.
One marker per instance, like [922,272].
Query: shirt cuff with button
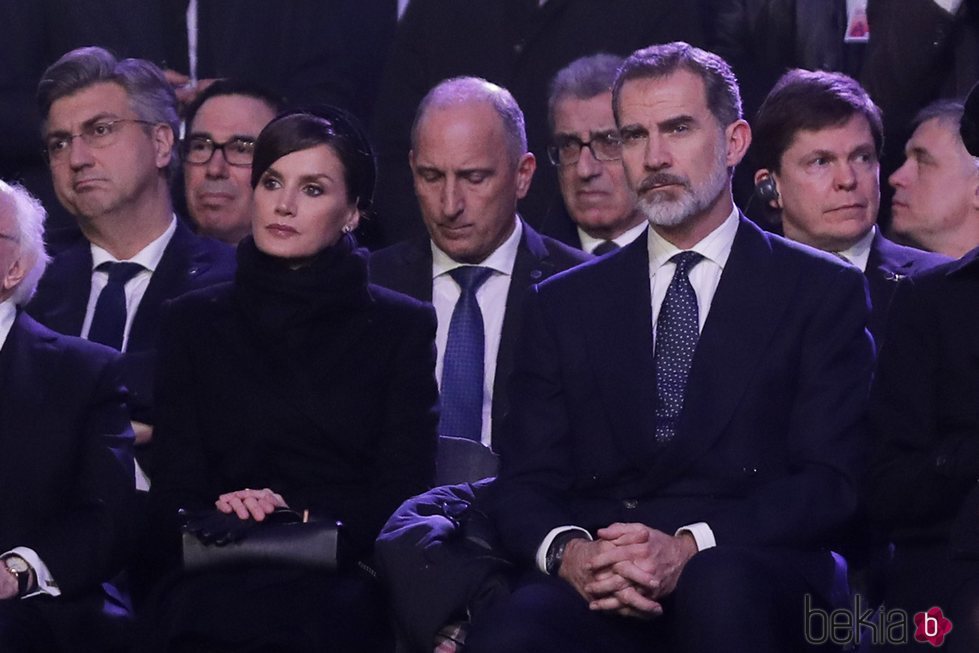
[701,533]
[541,558]
[43,578]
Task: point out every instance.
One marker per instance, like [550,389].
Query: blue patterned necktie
[462,364]
[109,319]
[677,332]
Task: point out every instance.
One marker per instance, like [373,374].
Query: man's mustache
[661,179]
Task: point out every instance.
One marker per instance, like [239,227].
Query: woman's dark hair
[305,129]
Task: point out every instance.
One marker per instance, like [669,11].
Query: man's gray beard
[692,201]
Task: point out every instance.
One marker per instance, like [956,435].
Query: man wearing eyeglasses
[109,131]
[223,123]
[599,209]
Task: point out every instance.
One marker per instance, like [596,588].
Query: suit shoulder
[208,300]
[564,256]
[390,259]
[78,348]
[394,303]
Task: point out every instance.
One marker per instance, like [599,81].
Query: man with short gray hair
[109,129]
[470,164]
[599,209]
[67,469]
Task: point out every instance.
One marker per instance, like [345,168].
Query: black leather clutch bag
[214,539]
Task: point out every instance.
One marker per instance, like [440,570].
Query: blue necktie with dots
[462,363]
[109,319]
[677,332]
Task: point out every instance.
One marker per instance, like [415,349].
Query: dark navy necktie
[677,332]
[462,364]
[109,319]
[605,247]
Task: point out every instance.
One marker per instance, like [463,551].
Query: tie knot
[470,277]
[605,247]
[685,261]
[121,272]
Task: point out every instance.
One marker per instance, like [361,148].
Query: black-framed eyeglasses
[566,150]
[237,151]
[97,134]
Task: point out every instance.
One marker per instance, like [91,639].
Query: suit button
[630,504]
[193,272]
[749,471]
[536,274]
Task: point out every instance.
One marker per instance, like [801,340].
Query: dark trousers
[43,624]
[268,610]
[727,599]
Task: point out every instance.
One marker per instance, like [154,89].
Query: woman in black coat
[297,385]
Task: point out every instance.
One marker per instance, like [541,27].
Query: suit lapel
[66,288]
[182,262]
[532,265]
[619,310]
[28,361]
[886,266]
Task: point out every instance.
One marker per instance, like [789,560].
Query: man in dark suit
[518,44]
[470,162]
[67,471]
[817,139]
[109,131]
[597,210]
[684,441]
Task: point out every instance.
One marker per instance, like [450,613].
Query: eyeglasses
[98,134]
[567,149]
[237,151]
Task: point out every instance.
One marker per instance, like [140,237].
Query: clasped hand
[247,503]
[628,570]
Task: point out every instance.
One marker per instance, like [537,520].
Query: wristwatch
[555,552]
[21,570]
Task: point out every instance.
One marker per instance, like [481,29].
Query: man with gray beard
[685,435]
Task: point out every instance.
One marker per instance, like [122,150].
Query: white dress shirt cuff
[541,558]
[702,535]
[45,581]
[951,6]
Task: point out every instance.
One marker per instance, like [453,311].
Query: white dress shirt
[859,253]
[149,257]
[704,277]
[491,297]
[589,243]
[45,582]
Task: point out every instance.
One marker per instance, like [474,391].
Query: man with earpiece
[817,143]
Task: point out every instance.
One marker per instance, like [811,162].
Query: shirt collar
[859,252]
[149,257]
[501,260]
[589,243]
[7,314]
[715,246]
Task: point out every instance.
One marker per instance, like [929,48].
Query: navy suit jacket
[407,268]
[770,443]
[189,262]
[67,496]
[887,265]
